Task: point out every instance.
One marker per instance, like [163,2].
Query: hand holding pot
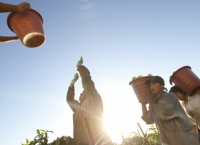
[22,7]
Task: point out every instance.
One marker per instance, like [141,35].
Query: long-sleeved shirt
[172,122]
[91,106]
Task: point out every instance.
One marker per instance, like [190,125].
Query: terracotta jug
[141,89]
[185,79]
[28,27]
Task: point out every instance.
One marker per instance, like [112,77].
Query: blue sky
[117,39]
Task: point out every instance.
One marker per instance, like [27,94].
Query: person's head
[156,85]
[181,95]
[82,96]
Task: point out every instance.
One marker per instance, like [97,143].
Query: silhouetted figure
[90,107]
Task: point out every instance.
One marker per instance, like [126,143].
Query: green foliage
[66,140]
[134,139]
[152,138]
[40,139]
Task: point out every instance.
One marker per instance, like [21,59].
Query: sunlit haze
[117,39]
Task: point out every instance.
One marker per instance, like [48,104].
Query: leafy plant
[40,139]
[66,140]
[152,138]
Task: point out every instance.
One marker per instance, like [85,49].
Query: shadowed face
[156,89]
[82,96]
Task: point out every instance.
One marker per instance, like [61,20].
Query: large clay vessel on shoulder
[28,27]
[185,79]
[141,89]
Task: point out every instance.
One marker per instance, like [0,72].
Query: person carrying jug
[191,104]
[22,7]
[167,113]
[88,111]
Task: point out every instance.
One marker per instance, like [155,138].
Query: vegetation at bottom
[150,137]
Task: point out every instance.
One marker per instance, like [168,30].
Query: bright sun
[121,117]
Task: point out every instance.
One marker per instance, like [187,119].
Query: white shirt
[193,107]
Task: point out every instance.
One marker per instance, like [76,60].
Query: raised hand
[22,7]
[75,79]
[80,62]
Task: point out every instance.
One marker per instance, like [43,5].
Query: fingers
[23,7]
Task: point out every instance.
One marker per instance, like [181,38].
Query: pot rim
[170,80]
[12,13]
[143,77]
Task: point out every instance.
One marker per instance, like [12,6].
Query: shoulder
[196,95]
[169,96]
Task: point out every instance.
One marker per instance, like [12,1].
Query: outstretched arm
[14,8]
[70,94]
[8,39]
[85,75]
[70,98]
[86,78]
[93,98]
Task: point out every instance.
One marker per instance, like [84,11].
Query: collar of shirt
[156,100]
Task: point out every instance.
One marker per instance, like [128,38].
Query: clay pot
[28,27]
[141,89]
[185,79]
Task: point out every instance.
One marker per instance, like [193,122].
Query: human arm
[70,98]
[93,98]
[146,115]
[8,39]
[14,8]
[71,93]
[87,82]
[192,119]
[85,75]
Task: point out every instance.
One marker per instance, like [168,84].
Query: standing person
[89,105]
[167,113]
[22,7]
[190,103]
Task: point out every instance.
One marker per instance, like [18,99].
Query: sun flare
[121,118]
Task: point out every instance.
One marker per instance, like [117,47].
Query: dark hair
[176,89]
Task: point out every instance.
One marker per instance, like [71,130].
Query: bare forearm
[144,108]
[8,39]
[7,7]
